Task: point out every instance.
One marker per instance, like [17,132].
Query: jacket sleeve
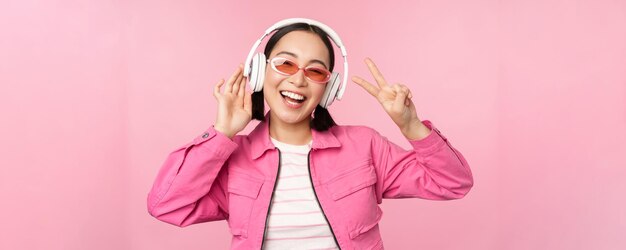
[192,182]
[433,170]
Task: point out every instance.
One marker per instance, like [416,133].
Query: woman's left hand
[396,100]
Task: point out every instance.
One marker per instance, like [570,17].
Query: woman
[298,180]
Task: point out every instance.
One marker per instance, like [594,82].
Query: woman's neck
[290,133]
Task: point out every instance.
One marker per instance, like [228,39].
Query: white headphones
[254,68]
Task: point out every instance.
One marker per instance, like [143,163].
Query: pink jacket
[352,169]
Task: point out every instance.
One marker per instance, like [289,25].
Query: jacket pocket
[355,178]
[370,228]
[243,191]
[354,190]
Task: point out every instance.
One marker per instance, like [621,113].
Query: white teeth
[292,95]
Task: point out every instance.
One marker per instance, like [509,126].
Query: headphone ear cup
[331,90]
[257,72]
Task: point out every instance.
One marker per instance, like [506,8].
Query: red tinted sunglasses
[287,67]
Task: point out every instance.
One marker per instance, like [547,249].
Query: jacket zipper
[308,160]
[269,207]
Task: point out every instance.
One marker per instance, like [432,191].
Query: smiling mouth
[292,97]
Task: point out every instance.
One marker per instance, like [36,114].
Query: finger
[231,80]
[247,103]
[373,90]
[216,89]
[396,88]
[236,84]
[375,72]
[399,102]
[241,95]
[242,87]
[407,91]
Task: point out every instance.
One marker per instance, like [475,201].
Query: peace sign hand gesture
[396,100]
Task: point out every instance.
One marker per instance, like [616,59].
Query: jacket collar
[261,142]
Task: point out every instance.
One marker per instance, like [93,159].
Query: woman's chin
[292,116]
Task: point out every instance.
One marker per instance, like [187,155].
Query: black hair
[322,120]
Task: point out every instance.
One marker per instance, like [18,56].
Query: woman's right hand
[234,104]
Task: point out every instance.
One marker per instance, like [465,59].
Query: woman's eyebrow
[294,55]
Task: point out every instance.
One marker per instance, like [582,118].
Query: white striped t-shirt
[295,220]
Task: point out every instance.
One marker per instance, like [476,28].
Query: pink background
[95,94]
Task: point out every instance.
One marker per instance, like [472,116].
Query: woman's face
[305,49]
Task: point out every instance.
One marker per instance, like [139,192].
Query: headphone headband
[331,33]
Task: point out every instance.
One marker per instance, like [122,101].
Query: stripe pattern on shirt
[295,220]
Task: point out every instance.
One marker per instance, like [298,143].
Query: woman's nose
[298,78]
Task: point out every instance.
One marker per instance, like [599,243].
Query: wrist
[416,131]
[223,131]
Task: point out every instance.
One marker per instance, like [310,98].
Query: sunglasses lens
[285,66]
[317,74]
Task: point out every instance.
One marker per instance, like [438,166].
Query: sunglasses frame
[328,75]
